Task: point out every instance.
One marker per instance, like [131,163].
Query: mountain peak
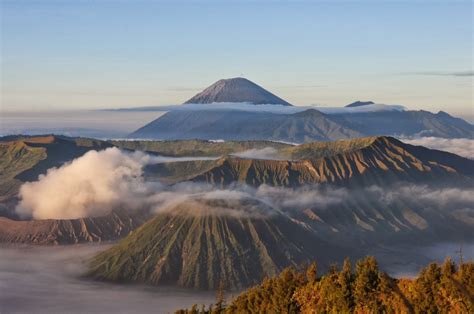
[236,89]
[359,103]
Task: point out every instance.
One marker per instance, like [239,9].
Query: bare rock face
[236,90]
[359,162]
[70,231]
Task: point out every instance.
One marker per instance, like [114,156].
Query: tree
[366,286]
[312,272]
[346,281]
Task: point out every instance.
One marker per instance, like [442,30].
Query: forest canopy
[445,288]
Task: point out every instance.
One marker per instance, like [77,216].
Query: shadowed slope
[306,126]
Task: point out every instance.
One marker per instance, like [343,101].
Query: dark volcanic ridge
[236,90]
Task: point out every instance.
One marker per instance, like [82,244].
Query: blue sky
[104,54]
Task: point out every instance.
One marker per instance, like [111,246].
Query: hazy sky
[105,54]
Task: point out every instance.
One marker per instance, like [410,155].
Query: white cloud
[460,146]
[262,153]
[98,182]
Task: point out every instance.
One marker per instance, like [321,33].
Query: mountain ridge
[236,90]
[377,161]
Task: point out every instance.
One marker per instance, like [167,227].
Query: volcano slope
[206,244]
[211,243]
[70,231]
[359,162]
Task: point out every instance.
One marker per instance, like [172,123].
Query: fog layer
[97,182]
[460,146]
[46,280]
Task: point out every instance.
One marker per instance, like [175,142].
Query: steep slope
[236,90]
[51,231]
[301,127]
[360,162]
[208,243]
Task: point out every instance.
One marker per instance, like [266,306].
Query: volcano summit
[237,89]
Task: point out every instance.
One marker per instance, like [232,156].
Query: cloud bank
[268,153]
[98,182]
[444,73]
[52,284]
[462,146]
[91,185]
[266,108]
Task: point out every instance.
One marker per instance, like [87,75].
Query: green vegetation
[446,288]
[16,157]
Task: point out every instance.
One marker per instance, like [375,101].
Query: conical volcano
[206,243]
[236,90]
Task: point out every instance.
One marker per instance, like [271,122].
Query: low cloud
[266,108]
[449,197]
[91,185]
[462,146]
[48,280]
[263,153]
[444,73]
[98,182]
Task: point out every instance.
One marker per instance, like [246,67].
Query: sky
[69,55]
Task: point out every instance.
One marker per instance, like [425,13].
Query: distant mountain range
[218,122]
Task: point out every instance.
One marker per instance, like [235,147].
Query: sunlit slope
[377,160]
[193,245]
